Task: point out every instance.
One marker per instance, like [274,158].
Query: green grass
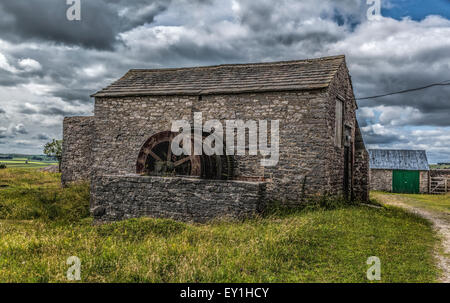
[41,225]
[25,163]
[439,203]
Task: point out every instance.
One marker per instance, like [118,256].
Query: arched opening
[156,158]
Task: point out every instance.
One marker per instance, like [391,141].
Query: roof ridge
[284,62]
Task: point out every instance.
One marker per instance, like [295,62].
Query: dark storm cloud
[13,131]
[100,23]
[28,111]
[437,118]
[433,103]
[264,15]
[49,111]
[24,144]
[268,22]
[41,137]
[9,79]
[373,138]
[19,129]
[74,95]
[2,111]
[54,111]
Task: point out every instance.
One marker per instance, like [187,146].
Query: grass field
[25,163]
[41,225]
[439,203]
[435,166]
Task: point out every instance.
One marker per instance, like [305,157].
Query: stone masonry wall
[424,182]
[440,173]
[186,199]
[123,124]
[76,161]
[381,180]
[361,177]
[302,138]
[341,89]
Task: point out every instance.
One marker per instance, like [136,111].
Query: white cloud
[4,64]
[396,115]
[95,71]
[30,65]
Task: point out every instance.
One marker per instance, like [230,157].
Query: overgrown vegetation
[28,195]
[42,225]
[54,149]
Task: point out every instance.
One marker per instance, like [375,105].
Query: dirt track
[441,222]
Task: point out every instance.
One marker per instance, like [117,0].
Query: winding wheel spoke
[155,156]
[169,151]
[181,161]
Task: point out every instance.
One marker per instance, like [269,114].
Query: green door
[406,181]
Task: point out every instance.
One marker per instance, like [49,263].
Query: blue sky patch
[416,9]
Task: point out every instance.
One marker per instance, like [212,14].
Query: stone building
[321,148]
[399,171]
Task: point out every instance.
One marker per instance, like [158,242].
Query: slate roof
[398,159]
[227,79]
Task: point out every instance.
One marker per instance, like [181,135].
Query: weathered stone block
[187,199]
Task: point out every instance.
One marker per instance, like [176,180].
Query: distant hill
[43,158]
[440,166]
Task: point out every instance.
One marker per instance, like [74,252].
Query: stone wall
[303,139]
[187,199]
[76,161]
[124,124]
[339,89]
[361,184]
[424,182]
[444,173]
[381,180]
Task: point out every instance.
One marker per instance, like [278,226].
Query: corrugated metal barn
[399,171]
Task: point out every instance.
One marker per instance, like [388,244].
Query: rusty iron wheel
[156,152]
[156,158]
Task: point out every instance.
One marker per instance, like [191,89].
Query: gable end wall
[76,162]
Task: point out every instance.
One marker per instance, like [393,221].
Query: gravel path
[441,222]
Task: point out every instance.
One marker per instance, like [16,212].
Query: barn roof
[398,159]
[226,79]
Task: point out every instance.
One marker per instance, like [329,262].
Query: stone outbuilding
[399,171]
[321,150]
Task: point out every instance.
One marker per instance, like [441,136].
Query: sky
[49,66]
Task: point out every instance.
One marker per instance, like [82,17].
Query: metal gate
[440,185]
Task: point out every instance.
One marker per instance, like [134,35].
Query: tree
[54,149]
